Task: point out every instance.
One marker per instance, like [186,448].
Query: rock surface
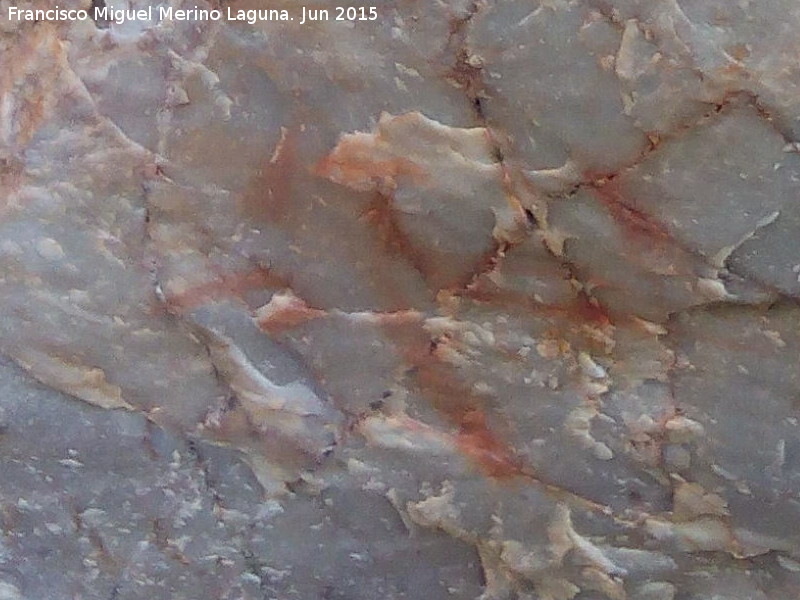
[488,300]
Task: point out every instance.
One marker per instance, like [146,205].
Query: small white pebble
[49,249]
[602,452]
[9,591]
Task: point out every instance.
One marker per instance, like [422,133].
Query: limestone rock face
[490,300]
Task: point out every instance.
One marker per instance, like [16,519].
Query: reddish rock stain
[225,285]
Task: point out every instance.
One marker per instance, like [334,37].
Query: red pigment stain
[635,223]
[438,382]
[476,441]
[289,312]
[225,285]
[591,311]
[581,310]
[355,163]
[268,197]
[395,241]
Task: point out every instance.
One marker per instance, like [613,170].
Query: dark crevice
[614,200]
[467,73]
[477,104]
[196,452]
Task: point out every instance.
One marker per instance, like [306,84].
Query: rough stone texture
[488,300]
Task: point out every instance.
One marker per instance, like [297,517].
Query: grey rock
[487,300]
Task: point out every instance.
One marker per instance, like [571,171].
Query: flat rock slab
[490,300]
